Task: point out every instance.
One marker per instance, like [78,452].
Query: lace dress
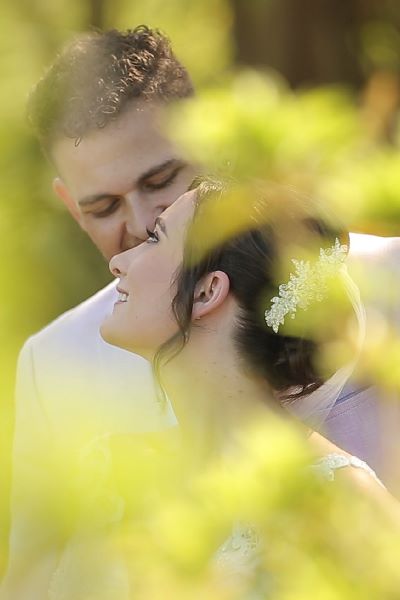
[239,554]
[78,577]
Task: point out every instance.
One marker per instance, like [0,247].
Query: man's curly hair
[96,76]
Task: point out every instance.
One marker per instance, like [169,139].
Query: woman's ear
[210,292]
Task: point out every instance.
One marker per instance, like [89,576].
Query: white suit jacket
[71,388]
[67,372]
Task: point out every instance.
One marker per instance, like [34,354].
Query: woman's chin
[109,334]
[113,336]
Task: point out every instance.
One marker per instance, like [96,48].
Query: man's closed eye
[158,183]
[108,210]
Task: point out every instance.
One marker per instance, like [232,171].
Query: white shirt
[71,388]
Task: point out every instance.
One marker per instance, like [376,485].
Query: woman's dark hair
[247,245]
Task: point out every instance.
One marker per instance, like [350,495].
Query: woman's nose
[115,265]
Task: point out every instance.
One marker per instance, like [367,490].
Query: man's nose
[138,219]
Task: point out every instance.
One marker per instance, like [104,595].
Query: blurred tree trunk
[96,13]
[308,41]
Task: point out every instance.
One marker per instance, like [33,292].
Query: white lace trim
[239,553]
[327,465]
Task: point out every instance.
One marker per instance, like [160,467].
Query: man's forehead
[139,139]
[118,160]
[138,128]
[182,209]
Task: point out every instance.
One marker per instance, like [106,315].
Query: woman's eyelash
[153,236]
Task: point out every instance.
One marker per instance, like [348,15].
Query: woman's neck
[211,393]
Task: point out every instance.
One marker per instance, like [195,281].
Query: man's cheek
[100,230]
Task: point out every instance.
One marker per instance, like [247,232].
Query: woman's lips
[122,295]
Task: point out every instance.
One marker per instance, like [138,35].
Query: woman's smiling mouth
[122,295]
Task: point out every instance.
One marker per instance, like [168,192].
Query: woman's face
[142,318]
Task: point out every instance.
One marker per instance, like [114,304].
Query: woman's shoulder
[327,465]
[329,458]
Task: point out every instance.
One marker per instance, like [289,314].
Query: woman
[229,342]
[226,311]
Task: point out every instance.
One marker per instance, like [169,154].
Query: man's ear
[62,192]
[210,293]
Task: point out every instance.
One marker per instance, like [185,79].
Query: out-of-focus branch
[96,13]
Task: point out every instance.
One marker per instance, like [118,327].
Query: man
[97,113]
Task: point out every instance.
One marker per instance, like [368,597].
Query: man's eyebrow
[172,162]
[88,200]
[161,224]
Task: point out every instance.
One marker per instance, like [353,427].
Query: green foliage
[157,509]
[320,541]
[318,143]
[315,140]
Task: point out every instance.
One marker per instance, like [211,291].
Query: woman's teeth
[123,297]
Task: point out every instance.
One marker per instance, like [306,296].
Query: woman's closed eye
[153,236]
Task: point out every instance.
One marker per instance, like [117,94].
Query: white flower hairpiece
[309,284]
